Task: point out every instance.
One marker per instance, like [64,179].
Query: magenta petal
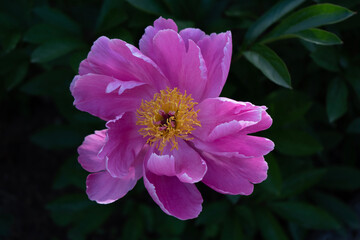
[123,145]
[88,152]
[96,94]
[184,69]
[216,50]
[193,34]
[146,41]
[103,188]
[185,163]
[118,59]
[190,167]
[234,175]
[220,117]
[181,200]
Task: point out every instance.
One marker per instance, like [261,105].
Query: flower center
[168,116]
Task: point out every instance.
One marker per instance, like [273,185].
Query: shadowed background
[312,191]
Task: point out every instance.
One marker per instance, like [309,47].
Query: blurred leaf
[302,181]
[45,32]
[232,229]
[296,143]
[16,76]
[213,213]
[305,215]
[270,228]
[54,49]
[55,17]
[247,219]
[150,6]
[108,8]
[271,16]
[336,99]
[318,36]
[287,106]
[57,137]
[10,31]
[233,198]
[326,57]
[310,17]
[83,215]
[353,77]
[273,183]
[50,83]
[338,208]
[70,173]
[341,178]
[354,126]
[133,228]
[270,64]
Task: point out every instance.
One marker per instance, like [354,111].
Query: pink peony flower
[166,121]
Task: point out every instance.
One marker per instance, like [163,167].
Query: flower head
[166,121]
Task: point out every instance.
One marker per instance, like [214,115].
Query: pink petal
[123,146]
[216,50]
[181,200]
[96,94]
[118,59]
[146,42]
[103,188]
[184,69]
[88,152]
[193,34]
[185,163]
[220,117]
[234,175]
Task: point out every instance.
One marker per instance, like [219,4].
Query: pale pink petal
[178,199]
[220,117]
[234,175]
[146,41]
[103,188]
[118,59]
[184,69]
[123,145]
[89,150]
[107,97]
[216,50]
[184,162]
[193,34]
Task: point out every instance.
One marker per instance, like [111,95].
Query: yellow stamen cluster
[168,116]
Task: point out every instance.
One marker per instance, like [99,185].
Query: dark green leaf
[300,182]
[310,17]
[232,229]
[214,213]
[354,126]
[44,32]
[305,215]
[296,143]
[270,17]
[318,36]
[342,178]
[247,219]
[326,57]
[336,99]
[54,49]
[270,64]
[55,17]
[273,183]
[270,228]
[149,6]
[70,173]
[338,208]
[57,137]
[17,76]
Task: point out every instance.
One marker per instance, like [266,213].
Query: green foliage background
[281,59]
